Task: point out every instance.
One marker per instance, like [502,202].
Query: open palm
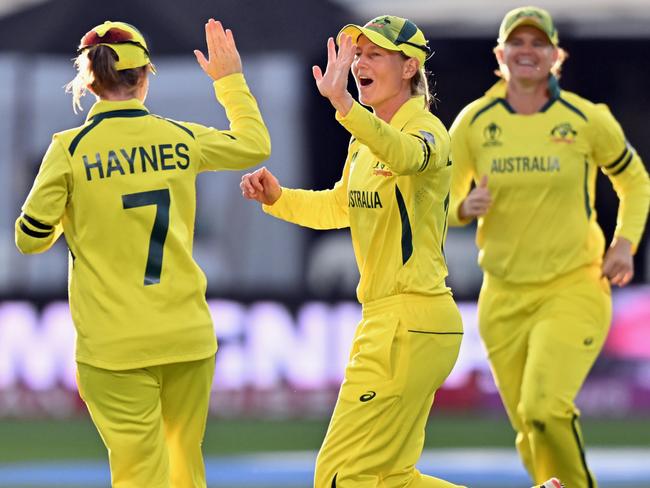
[334,83]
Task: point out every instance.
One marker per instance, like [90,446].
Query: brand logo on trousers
[366,397]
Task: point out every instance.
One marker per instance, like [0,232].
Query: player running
[121,188]
[533,151]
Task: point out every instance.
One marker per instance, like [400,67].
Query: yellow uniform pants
[404,348]
[541,341]
[152,421]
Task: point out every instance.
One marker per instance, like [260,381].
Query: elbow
[265,146]
[29,241]
[263,149]
[27,246]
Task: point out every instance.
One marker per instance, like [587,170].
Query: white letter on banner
[59,333]
[17,321]
[228,317]
[345,318]
[278,350]
[26,349]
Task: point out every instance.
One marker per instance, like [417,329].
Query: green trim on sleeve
[35,223]
[628,160]
[33,233]
[618,159]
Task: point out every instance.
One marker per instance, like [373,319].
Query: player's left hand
[334,83]
[223,57]
[618,265]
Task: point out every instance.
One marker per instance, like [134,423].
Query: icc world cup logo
[492,135]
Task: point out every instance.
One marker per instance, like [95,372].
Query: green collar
[103,106]
[499,91]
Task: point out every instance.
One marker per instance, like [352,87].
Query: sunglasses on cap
[425,48]
[112,35]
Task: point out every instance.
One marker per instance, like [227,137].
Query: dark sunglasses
[426,49]
[114,35]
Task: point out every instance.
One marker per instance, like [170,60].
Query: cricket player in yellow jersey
[533,151]
[121,188]
[393,195]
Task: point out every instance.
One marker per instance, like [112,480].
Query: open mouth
[365,81]
[526,62]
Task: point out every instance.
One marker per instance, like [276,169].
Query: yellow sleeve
[247,143]
[463,169]
[325,209]
[622,164]
[39,225]
[422,145]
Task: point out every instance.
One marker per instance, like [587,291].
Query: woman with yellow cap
[121,188]
[533,151]
[393,195]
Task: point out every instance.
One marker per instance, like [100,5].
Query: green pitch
[77,439]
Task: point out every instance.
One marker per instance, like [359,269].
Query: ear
[556,54]
[498,52]
[411,66]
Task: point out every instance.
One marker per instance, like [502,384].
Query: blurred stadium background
[283,296]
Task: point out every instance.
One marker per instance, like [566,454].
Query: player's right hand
[223,58]
[477,203]
[261,185]
[333,84]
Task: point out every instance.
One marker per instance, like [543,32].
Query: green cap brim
[532,22]
[355,31]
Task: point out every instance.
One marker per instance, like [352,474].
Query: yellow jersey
[541,172]
[121,188]
[393,195]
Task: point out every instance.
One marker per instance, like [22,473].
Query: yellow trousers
[404,348]
[152,421]
[541,341]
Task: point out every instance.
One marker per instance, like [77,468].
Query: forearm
[405,153]
[633,189]
[247,128]
[313,209]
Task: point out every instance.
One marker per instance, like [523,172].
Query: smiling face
[527,55]
[382,76]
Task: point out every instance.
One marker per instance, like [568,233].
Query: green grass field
[77,439]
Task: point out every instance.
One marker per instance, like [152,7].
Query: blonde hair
[420,84]
[96,70]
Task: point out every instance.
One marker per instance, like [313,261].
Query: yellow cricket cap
[533,16]
[392,33]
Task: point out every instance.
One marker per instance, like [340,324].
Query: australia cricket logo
[492,134]
[563,133]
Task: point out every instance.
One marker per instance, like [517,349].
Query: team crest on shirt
[379,169]
[492,135]
[563,133]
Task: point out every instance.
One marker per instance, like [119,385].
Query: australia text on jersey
[364,199]
[525,164]
[139,159]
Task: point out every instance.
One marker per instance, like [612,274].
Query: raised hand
[618,265]
[478,201]
[260,185]
[334,83]
[223,57]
